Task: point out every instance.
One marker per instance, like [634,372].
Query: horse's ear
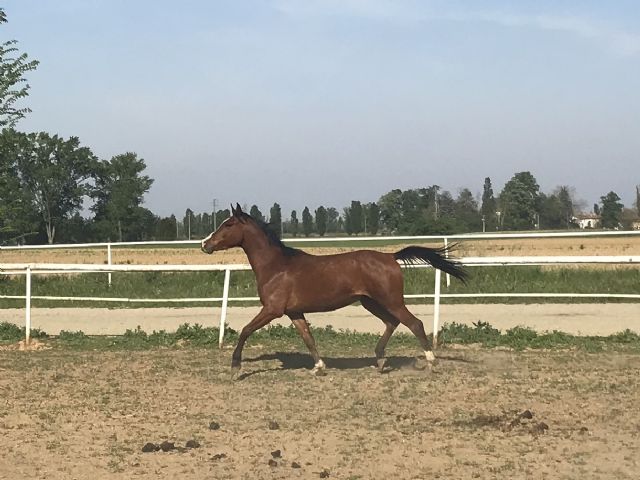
[238,209]
[233,210]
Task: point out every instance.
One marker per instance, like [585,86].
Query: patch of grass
[334,341]
[520,338]
[10,332]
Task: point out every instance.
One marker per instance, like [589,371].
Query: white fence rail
[29,269]
[418,238]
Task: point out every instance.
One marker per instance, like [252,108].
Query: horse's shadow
[303,361]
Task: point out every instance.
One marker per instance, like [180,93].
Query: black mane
[273,237]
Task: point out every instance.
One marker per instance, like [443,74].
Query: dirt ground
[577,319]
[77,415]
[188,256]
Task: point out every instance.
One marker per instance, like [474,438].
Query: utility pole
[215,222]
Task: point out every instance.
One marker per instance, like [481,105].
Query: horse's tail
[433,256]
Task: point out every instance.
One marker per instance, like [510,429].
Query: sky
[321,102]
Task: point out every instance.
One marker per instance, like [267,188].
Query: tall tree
[489,206]
[275,218]
[189,223]
[293,224]
[256,213]
[13,85]
[391,210]
[118,193]
[55,174]
[611,210]
[321,220]
[466,212]
[17,220]
[333,217]
[356,217]
[307,222]
[222,215]
[638,198]
[373,218]
[519,202]
[565,198]
[166,228]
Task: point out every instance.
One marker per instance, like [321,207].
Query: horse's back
[327,282]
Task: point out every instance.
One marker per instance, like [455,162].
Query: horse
[292,282]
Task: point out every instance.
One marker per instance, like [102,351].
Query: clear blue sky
[320,102]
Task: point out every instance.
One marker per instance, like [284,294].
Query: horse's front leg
[265,316]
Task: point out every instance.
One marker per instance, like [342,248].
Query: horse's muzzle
[208,250]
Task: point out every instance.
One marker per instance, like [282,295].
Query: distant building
[587,220]
[635,225]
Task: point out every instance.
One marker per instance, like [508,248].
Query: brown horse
[292,282]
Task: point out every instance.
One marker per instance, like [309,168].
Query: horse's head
[229,234]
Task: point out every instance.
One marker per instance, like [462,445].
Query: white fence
[445,239]
[30,269]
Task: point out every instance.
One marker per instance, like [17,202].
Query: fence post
[436,308]
[225,298]
[27,320]
[109,262]
[446,255]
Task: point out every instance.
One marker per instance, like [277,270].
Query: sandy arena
[478,414]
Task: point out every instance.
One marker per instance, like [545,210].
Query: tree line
[47,182]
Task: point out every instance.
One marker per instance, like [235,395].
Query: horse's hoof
[381,364]
[319,369]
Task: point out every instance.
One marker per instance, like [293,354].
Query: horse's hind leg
[302,326]
[390,323]
[416,326]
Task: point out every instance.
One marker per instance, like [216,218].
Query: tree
[347,223]
[13,85]
[488,208]
[189,222]
[222,215]
[17,219]
[321,220]
[565,197]
[166,228]
[256,213]
[293,225]
[611,210]
[638,199]
[519,202]
[372,213]
[275,218]
[54,174]
[466,212]
[118,192]
[356,217]
[391,209]
[551,212]
[333,218]
[307,222]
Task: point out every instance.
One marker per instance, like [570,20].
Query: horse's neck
[261,253]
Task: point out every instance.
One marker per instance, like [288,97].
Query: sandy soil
[179,256]
[585,319]
[77,415]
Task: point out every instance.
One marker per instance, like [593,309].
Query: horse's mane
[273,237]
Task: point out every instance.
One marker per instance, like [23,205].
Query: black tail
[434,257]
